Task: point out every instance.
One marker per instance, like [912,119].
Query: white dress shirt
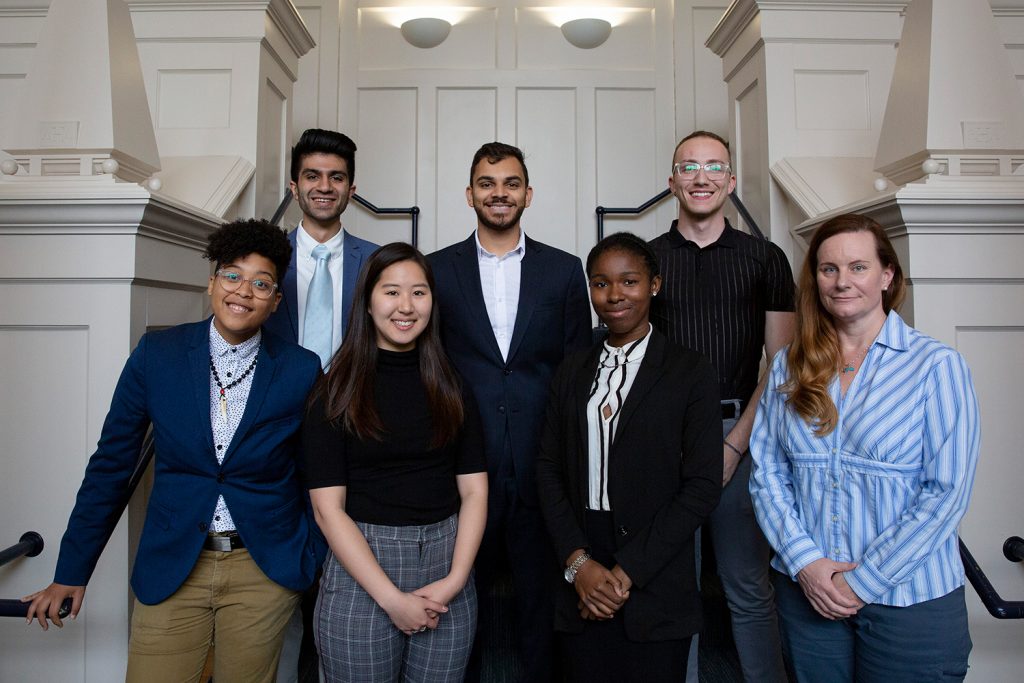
[616,371]
[499,280]
[305,265]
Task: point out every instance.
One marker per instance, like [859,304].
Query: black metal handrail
[17,608]
[1013,550]
[30,545]
[733,196]
[412,211]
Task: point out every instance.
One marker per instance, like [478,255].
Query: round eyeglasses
[231,280]
[714,170]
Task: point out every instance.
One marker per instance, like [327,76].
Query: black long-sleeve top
[401,480]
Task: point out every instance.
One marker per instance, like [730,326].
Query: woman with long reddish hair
[864,447]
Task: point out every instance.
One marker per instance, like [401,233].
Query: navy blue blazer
[166,383]
[285,320]
[553,320]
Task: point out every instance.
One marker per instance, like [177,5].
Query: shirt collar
[517,252]
[220,348]
[304,244]
[894,333]
[728,238]
[631,352]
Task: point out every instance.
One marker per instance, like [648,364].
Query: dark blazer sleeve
[555,497]
[101,499]
[577,311]
[653,546]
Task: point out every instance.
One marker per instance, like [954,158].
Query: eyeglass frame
[257,293]
[726,169]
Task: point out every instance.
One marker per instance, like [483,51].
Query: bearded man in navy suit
[229,542]
[511,310]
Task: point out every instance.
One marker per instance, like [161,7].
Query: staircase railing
[412,211]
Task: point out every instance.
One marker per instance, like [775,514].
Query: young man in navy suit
[323,175]
[511,309]
[317,295]
[228,543]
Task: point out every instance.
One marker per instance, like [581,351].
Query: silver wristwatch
[570,571]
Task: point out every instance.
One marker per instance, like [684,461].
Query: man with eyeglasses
[228,543]
[730,296]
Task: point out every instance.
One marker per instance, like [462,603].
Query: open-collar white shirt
[499,279]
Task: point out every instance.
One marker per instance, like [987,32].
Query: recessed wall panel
[44,428]
[199,98]
[747,151]
[546,132]
[45,446]
[272,152]
[831,100]
[307,87]
[628,157]
[386,161]
[711,94]
[466,119]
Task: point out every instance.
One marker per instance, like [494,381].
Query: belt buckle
[218,542]
[737,408]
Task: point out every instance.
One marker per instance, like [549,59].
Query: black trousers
[603,651]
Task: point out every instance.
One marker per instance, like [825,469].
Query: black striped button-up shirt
[713,300]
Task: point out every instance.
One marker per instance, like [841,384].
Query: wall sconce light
[587,33]
[425,32]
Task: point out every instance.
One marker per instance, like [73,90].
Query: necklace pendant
[848,368]
[223,407]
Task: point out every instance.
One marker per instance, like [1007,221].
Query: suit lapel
[467,272]
[263,377]
[530,274]
[646,377]
[199,368]
[581,399]
[354,257]
[291,296]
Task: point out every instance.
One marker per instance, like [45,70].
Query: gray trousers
[356,639]
[743,555]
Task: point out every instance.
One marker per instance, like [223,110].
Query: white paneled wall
[597,126]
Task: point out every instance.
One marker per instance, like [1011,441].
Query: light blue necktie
[318,324]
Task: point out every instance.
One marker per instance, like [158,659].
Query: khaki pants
[226,602]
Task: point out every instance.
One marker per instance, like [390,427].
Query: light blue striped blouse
[888,487]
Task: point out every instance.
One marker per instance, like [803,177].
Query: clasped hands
[827,590]
[418,610]
[602,591]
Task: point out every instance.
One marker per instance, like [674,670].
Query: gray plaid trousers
[355,637]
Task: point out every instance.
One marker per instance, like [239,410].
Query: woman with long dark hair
[629,468]
[864,447]
[394,463]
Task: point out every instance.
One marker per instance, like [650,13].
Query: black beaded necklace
[216,378]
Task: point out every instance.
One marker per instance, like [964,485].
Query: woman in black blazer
[630,466]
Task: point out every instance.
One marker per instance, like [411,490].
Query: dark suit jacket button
[623,531]
[501,409]
[203,526]
[507,371]
[220,478]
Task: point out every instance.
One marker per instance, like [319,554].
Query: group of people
[406,439]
